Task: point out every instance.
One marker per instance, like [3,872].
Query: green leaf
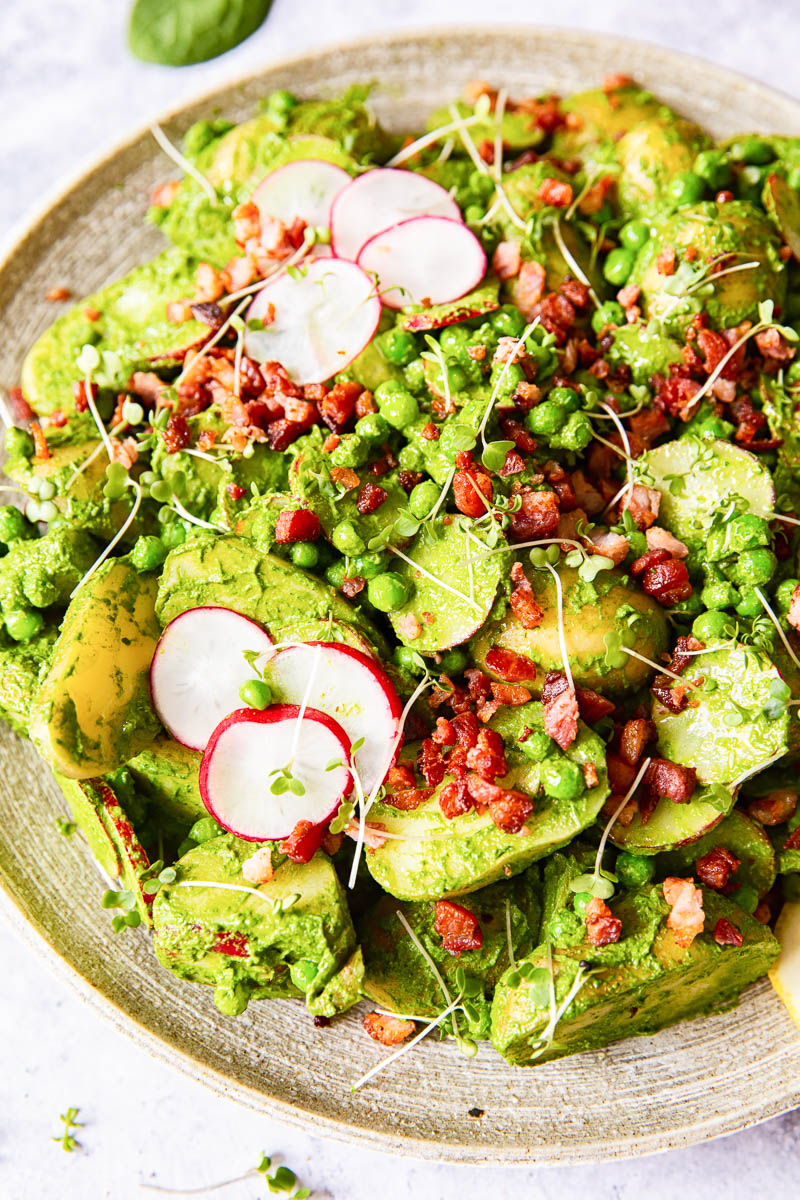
[406,526]
[538,983]
[592,565]
[494,456]
[176,33]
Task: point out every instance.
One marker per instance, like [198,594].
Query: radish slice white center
[324,317]
[427,260]
[249,751]
[305,189]
[381,198]
[351,688]
[198,668]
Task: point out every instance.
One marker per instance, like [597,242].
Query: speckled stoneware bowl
[696,1081]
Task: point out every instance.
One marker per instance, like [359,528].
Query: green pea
[634,234]
[453,339]
[610,313]
[749,604]
[23,623]
[39,588]
[752,149]
[173,534]
[414,375]
[456,376]
[387,592]
[404,657]
[352,451]
[204,829]
[719,594]
[423,498]
[481,184]
[48,512]
[746,897]
[581,901]
[618,266]
[793,374]
[336,574]
[396,405]
[304,554]
[397,347]
[634,870]
[367,566]
[255,693]
[561,778]
[537,746]
[347,539]
[711,626]
[508,321]
[751,180]
[753,568]
[474,213]
[18,443]
[372,427]
[783,594]
[565,397]
[545,418]
[575,435]
[713,166]
[411,458]
[303,973]
[453,662]
[686,188]
[148,553]
[13,524]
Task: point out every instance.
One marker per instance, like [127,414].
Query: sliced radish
[248,752]
[198,667]
[427,260]
[324,317]
[352,688]
[381,198]
[305,189]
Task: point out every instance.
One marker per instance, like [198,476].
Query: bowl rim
[31,931]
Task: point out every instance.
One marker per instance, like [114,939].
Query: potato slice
[92,711]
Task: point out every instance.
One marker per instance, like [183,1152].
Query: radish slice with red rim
[325,314]
[427,260]
[305,188]
[248,753]
[381,198]
[352,688]
[198,667]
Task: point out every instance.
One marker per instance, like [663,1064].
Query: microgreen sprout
[434,578]
[67,1139]
[572,262]
[128,916]
[765,321]
[87,362]
[501,378]
[430,139]
[180,160]
[547,1035]
[118,536]
[600,883]
[64,827]
[561,634]
[282,1180]
[472,150]
[776,622]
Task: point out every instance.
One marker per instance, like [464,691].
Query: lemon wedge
[785,974]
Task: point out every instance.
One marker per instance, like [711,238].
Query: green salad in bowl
[402,579]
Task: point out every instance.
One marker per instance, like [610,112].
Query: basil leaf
[176,33]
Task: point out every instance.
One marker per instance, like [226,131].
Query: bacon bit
[458,928]
[793,840]
[408,480]
[643,504]
[684,652]
[508,808]
[561,718]
[620,773]
[303,842]
[472,491]
[648,425]
[297,525]
[431,762]
[177,435]
[125,452]
[513,464]
[476,353]
[668,582]
[636,734]
[660,539]
[374,835]
[628,295]
[595,196]
[258,867]
[602,927]
[793,615]
[726,934]
[616,80]
[400,777]
[407,799]
[510,666]
[56,420]
[370,498]
[208,282]
[528,289]
[353,586]
[408,627]
[775,808]
[487,757]
[647,560]
[526,396]
[465,725]
[365,404]
[510,694]
[537,516]
[444,734]
[671,780]
[455,799]
[507,260]
[389,1031]
[671,695]
[686,918]
[56,294]
[676,394]
[773,345]
[528,612]
[80,394]
[519,435]
[246,222]
[41,448]
[179,312]
[508,348]
[330,443]
[554,192]
[430,432]
[590,776]
[337,407]
[20,409]
[345,477]
[665,262]
[92,314]
[625,817]
[332,842]
[611,545]
[163,195]
[715,868]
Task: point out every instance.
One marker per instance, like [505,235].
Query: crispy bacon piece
[458,928]
[686,918]
[554,192]
[715,868]
[643,504]
[508,808]
[726,934]
[41,448]
[529,288]
[673,696]
[408,799]
[507,260]
[258,867]
[303,842]
[487,757]
[455,798]
[163,195]
[389,1031]
[561,718]
[661,539]
[665,778]
[775,808]
[352,586]
[177,435]
[297,525]
[337,407]
[527,610]
[648,425]
[684,652]
[636,734]
[620,773]
[370,498]
[612,545]
[602,927]
[511,694]
[793,840]
[510,666]
[537,516]
[472,491]
[668,582]
[431,763]
[772,345]
[399,777]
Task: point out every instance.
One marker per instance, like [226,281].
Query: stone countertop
[69,90]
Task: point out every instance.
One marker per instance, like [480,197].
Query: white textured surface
[68,89]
